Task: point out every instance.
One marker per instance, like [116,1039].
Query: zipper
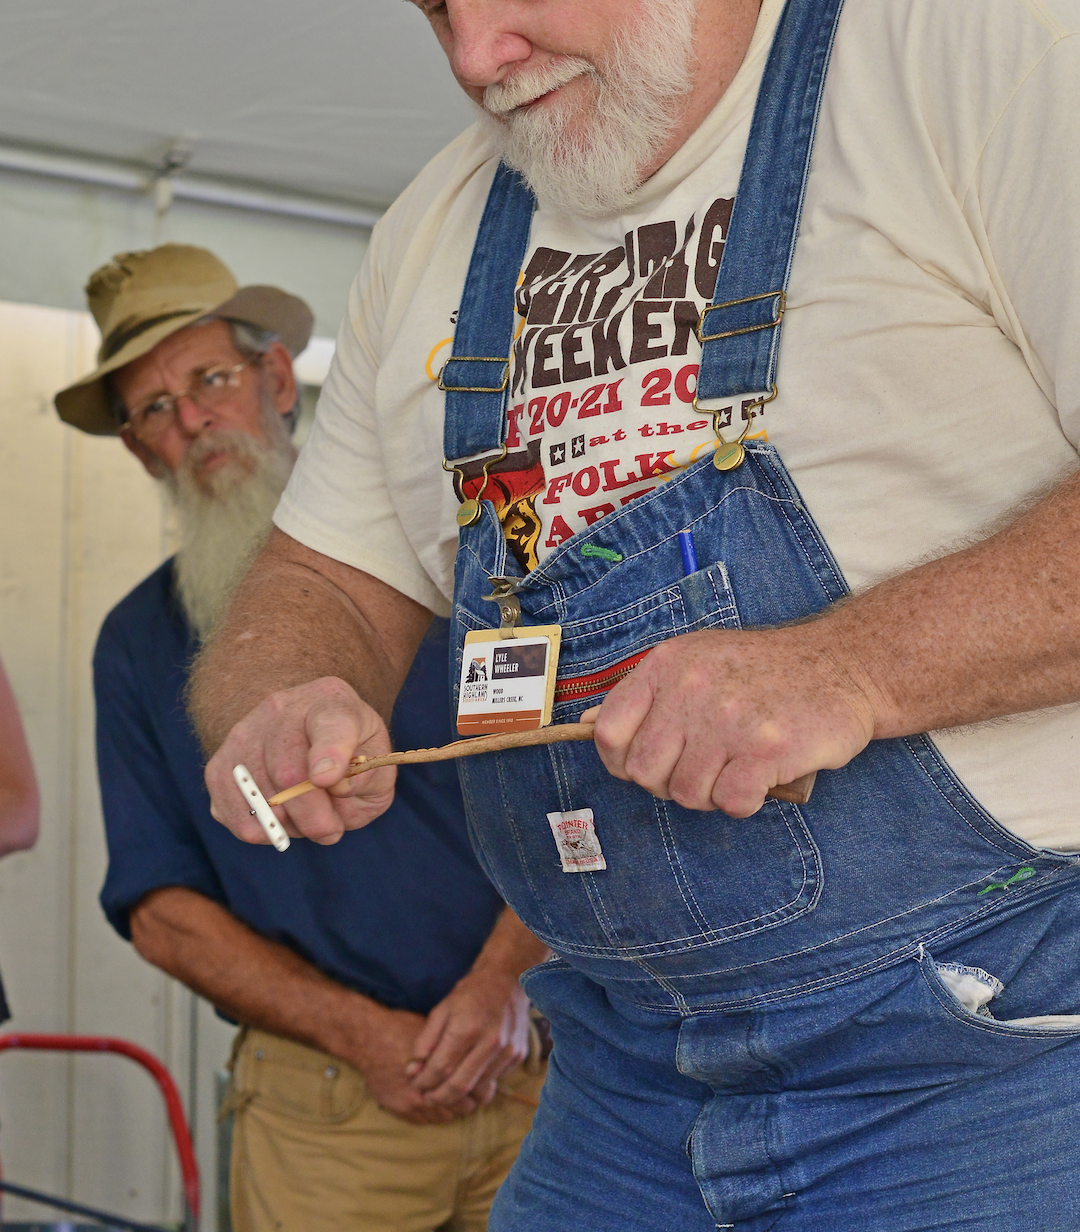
[577,687]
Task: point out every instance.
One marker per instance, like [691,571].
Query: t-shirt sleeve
[338,501]
[151,839]
[1027,185]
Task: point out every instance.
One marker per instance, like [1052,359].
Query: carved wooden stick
[797,792]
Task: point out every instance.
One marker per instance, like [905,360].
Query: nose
[485,41]
[192,418]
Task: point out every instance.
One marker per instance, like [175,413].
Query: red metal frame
[189,1168]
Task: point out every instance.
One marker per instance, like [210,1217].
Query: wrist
[861,659]
[345,1026]
[506,967]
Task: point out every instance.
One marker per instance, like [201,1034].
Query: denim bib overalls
[715,989]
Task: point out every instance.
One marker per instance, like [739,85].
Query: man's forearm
[509,951]
[300,616]
[256,981]
[988,631]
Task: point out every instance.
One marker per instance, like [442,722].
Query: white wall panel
[80,524]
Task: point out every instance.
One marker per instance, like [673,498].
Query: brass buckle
[475,389]
[730,454]
[469,510]
[781,306]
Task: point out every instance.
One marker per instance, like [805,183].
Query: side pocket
[291,1080]
[971,990]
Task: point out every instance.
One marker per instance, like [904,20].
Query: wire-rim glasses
[209,390]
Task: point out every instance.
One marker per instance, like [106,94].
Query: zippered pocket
[578,688]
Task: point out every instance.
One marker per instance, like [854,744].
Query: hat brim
[85,404]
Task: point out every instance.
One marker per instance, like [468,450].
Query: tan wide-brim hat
[139,298]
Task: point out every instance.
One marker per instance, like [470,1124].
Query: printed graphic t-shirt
[929,378]
[604,369]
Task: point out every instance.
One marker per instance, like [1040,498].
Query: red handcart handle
[189,1168]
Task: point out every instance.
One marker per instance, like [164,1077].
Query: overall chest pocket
[675,879]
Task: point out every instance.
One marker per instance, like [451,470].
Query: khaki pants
[313,1152]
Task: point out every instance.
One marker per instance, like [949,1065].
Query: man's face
[263,390]
[582,98]
[489,42]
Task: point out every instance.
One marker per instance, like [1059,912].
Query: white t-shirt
[929,376]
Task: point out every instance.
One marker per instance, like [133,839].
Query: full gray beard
[224,523]
[641,93]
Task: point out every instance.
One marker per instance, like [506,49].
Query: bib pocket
[675,879]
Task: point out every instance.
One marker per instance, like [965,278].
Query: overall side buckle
[778,315]
[504,380]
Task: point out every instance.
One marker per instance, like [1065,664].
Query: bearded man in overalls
[767,556]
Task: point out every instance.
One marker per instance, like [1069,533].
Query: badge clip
[502,593]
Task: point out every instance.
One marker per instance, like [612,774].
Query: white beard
[224,517]
[640,93]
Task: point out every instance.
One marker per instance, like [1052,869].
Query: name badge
[508,683]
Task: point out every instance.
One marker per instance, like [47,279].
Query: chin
[224,475]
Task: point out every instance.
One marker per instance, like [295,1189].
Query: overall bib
[754,1021]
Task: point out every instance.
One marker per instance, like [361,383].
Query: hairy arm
[19,801]
[263,984]
[988,631]
[300,676]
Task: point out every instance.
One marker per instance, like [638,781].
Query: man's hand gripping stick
[797,792]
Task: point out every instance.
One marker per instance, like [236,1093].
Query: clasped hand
[435,1069]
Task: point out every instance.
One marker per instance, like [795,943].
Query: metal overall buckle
[469,510]
[730,454]
[475,389]
[778,315]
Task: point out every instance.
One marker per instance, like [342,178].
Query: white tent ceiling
[338,98]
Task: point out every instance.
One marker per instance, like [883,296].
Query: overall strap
[740,331]
[476,377]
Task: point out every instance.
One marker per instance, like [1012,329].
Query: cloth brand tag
[575,837]
[507,684]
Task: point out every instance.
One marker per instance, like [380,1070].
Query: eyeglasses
[209,390]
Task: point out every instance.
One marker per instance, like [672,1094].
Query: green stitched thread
[591,549]
[1021,874]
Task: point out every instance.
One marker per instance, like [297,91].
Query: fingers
[459,1055]
[424,1045]
[336,728]
[476,1076]
[740,788]
[715,719]
[321,724]
[452,1048]
[617,722]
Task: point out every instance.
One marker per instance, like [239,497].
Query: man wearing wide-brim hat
[346,965]
[141,298]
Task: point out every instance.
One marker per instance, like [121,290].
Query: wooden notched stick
[797,792]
